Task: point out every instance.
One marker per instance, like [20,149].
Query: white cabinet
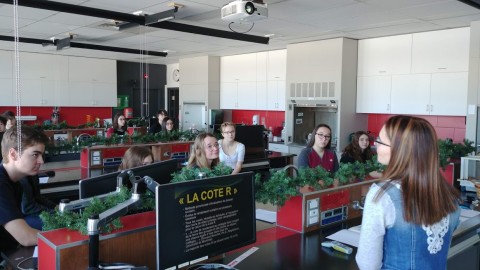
[92,70]
[238,67]
[410,94]
[6,67]
[385,56]
[8,92]
[253,81]
[373,94]
[238,95]
[261,66]
[449,94]
[436,84]
[6,79]
[441,51]
[277,65]
[43,79]
[228,95]
[92,94]
[276,95]
[92,82]
[246,93]
[422,94]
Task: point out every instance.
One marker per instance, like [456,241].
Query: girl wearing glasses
[409,218]
[317,152]
[232,153]
[204,152]
[358,150]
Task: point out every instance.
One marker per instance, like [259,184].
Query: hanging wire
[230,26]
[17,76]
[147,72]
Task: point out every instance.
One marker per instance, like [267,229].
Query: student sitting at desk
[232,153]
[18,163]
[136,156]
[205,152]
[119,126]
[358,149]
[33,203]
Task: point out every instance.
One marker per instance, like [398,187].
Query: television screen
[159,171]
[203,218]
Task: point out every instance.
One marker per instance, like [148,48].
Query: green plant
[78,220]
[281,186]
[448,150]
[188,173]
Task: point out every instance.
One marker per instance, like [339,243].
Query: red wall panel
[446,126]
[73,115]
[272,118]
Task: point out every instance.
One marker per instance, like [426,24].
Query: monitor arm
[97,221]
[67,205]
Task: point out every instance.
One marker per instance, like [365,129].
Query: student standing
[409,218]
[17,165]
[232,153]
[317,152]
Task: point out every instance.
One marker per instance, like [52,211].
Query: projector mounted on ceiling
[244,11]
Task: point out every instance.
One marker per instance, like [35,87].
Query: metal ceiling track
[84,46]
[107,14]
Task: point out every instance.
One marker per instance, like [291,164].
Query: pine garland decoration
[78,220]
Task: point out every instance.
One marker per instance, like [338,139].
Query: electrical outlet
[313,211]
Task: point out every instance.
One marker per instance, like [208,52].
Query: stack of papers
[350,237]
[265,215]
[466,214]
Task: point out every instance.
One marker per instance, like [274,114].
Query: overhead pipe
[107,14]
[85,46]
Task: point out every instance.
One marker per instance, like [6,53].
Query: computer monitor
[253,139]
[203,218]
[160,171]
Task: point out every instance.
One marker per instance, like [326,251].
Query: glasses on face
[323,137]
[212,147]
[229,132]
[377,142]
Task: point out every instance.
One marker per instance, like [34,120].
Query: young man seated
[17,164]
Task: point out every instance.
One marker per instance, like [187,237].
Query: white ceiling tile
[26,12]
[291,21]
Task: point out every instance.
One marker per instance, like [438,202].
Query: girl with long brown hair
[205,151]
[409,218]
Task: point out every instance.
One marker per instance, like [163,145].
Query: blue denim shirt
[406,245]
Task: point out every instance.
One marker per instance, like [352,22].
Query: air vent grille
[313,90]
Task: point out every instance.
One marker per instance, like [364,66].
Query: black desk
[299,252]
[14,257]
[304,251]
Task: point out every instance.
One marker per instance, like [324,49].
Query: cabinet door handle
[431,108]
[388,107]
[427,108]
